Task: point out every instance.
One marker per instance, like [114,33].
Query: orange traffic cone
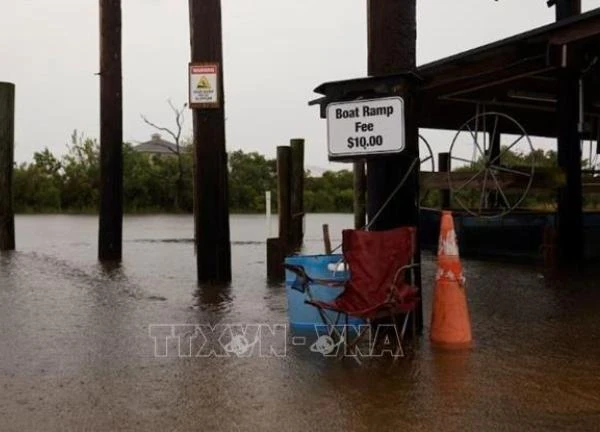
[450,322]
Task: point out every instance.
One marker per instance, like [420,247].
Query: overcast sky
[275,53]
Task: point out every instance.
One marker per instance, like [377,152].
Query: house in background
[157,146]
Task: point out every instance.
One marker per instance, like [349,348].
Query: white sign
[364,128]
[204,85]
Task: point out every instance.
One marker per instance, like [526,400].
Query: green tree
[250,175]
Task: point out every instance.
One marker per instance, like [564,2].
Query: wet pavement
[77,352]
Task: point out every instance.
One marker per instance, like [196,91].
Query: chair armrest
[298,270]
[333,283]
[303,280]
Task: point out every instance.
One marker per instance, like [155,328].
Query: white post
[268,212]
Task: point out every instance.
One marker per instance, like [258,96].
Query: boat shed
[518,76]
[547,79]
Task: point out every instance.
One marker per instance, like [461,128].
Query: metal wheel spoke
[470,162]
[470,180]
[476,142]
[503,152]
[494,132]
[500,190]
[483,192]
[487,151]
[510,170]
[485,135]
[428,152]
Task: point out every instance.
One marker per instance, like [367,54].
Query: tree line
[160,183]
[164,183]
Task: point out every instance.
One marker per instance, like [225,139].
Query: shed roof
[517,75]
[156,145]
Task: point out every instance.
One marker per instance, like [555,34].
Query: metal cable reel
[426,155]
[488,180]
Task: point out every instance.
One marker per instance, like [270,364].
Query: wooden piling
[111,133]
[360,190]
[567,8]
[275,258]
[444,166]
[7,142]
[297,194]
[211,219]
[283,196]
[570,199]
[392,37]
[326,239]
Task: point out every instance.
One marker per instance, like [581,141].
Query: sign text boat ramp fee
[364,128]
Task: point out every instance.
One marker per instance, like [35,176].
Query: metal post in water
[268,212]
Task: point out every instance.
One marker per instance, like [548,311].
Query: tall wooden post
[570,196]
[567,8]
[444,166]
[111,133]
[284,209]
[360,190]
[392,36]
[213,257]
[297,193]
[7,143]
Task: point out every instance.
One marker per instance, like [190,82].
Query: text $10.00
[365,142]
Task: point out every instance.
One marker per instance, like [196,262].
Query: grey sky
[276,52]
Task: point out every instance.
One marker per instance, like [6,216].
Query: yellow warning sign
[204,85]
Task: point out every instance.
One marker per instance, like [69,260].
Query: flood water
[76,351]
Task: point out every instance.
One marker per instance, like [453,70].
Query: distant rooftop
[156,145]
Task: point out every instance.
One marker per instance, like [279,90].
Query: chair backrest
[374,258]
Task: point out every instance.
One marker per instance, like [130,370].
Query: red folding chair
[381,282]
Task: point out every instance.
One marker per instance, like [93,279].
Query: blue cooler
[302,315]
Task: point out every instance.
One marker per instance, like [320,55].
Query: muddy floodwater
[77,351]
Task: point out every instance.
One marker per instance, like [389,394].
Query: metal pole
[111,133]
[268,212]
